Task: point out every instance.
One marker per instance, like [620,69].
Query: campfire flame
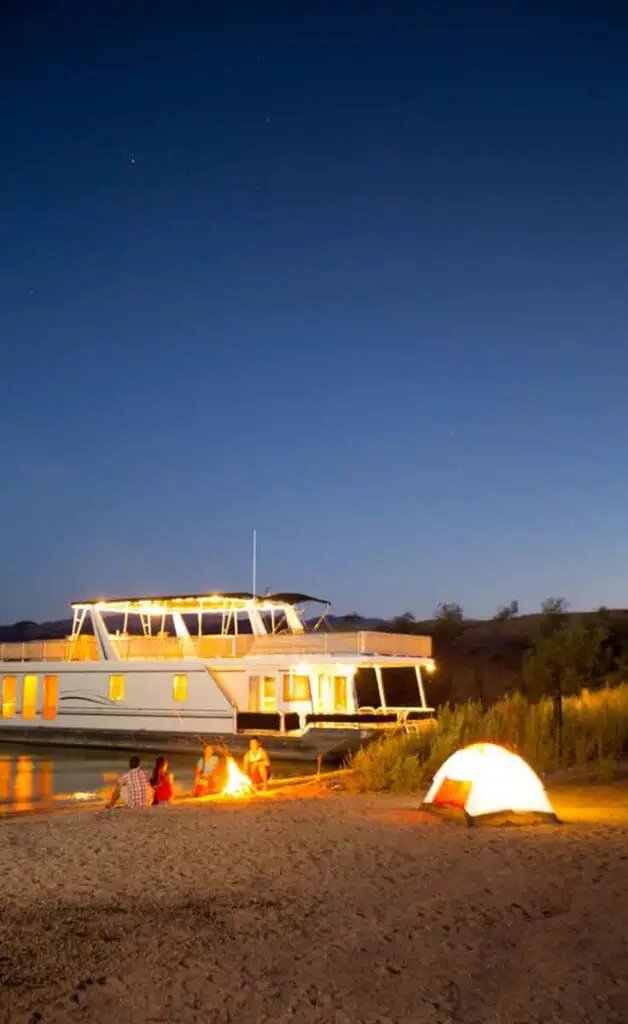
[237,784]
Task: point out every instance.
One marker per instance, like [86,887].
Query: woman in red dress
[161,781]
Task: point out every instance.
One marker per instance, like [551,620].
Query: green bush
[595,734]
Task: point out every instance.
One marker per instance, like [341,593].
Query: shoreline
[291,786]
[570,790]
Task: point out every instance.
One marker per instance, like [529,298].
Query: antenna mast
[254,563]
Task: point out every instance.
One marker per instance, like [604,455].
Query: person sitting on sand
[206,774]
[133,788]
[256,763]
[161,781]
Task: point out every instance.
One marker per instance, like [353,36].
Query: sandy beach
[336,909]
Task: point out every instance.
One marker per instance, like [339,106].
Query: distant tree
[616,626]
[554,606]
[449,611]
[448,625]
[602,616]
[562,662]
[554,615]
[403,623]
[507,611]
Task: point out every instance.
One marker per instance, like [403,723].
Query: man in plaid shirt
[134,787]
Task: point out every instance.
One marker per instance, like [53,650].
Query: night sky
[353,274]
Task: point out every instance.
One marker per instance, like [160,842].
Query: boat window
[269,693]
[254,693]
[340,693]
[400,686]
[296,687]
[180,687]
[116,687]
[9,696]
[51,697]
[366,688]
[29,697]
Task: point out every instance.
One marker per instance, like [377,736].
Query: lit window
[29,697]
[116,687]
[269,693]
[340,693]
[254,693]
[51,697]
[180,688]
[296,687]
[9,696]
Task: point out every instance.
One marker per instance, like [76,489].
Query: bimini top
[192,602]
[295,599]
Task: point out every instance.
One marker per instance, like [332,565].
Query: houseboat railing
[362,642]
[82,648]
[307,645]
[378,719]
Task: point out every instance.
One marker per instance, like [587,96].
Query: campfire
[237,784]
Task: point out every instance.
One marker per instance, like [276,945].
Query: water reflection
[25,782]
[5,780]
[45,777]
[36,777]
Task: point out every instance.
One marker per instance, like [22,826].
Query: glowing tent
[488,782]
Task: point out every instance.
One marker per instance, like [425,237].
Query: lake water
[35,778]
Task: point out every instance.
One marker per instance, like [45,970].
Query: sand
[337,909]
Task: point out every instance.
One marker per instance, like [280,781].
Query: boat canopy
[210,602]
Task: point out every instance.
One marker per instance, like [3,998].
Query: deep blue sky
[352,273]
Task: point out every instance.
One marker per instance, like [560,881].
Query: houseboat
[172,671]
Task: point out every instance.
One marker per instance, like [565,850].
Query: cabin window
[254,701]
[51,697]
[366,688]
[296,687]
[9,696]
[269,693]
[340,693]
[29,697]
[400,686]
[116,687]
[180,687]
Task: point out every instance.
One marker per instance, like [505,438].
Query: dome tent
[489,783]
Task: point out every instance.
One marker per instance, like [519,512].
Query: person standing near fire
[256,763]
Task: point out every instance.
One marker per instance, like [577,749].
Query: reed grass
[595,735]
